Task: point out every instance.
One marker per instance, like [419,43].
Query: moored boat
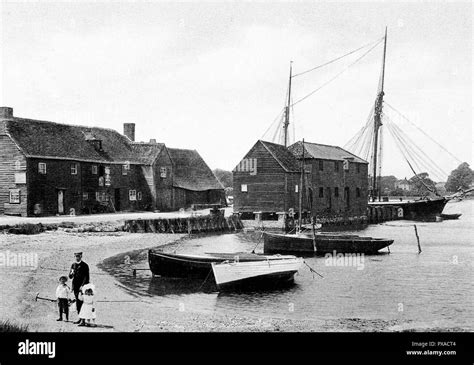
[195,266]
[450,216]
[250,274]
[322,243]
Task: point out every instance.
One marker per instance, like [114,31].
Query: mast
[378,122]
[287,108]
[300,203]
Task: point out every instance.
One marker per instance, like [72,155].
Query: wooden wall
[9,154]
[271,189]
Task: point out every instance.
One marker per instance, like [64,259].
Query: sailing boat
[315,243]
[423,209]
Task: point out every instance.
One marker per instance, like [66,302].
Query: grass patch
[8,326]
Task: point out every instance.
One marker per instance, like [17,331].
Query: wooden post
[417,238]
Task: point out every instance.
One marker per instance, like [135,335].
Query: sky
[213,76]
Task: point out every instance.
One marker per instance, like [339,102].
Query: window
[336,192]
[308,168]
[15,196]
[358,192]
[243,188]
[321,165]
[17,165]
[85,196]
[321,192]
[94,169]
[296,188]
[42,168]
[132,195]
[162,171]
[358,167]
[74,169]
[139,195]
[125,168]
[336,166]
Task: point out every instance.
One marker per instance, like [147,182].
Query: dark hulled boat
[196,266]
[322,244]
[418,210]
[451,216]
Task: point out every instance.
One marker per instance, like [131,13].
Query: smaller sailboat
[267,273]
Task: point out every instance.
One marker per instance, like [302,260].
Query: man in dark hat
[80,276]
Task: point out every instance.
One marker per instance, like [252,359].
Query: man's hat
[77,253]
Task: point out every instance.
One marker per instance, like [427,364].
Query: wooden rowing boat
[322,243]
[250,274]
[450,216]
[195,266]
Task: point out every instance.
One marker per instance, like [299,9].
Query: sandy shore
[19,286]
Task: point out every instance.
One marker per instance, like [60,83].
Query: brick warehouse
[50,168]
[267,180]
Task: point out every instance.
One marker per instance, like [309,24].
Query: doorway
[61,201]
[117,199]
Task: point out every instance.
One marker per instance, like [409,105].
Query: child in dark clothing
[63,293]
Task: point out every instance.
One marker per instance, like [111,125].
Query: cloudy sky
[213,76]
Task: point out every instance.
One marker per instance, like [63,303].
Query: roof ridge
[63,124]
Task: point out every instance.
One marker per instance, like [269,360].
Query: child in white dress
[87,312]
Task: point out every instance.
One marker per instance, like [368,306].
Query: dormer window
[96,143]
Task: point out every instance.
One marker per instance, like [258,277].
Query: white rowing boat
[270,272]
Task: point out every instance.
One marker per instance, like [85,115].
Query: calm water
[402,290]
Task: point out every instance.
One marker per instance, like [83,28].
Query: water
[402,290]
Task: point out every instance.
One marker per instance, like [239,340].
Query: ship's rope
[337,75]
[422,131]
[337,58]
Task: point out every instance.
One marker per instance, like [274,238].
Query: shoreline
[55,258]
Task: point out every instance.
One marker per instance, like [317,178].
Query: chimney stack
[152,140]
[129,131]
[6,112]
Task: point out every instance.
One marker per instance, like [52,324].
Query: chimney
[6,112]
[152,140]
[129,131]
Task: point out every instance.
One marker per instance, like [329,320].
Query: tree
[225,177]
[420,182]
[460,177]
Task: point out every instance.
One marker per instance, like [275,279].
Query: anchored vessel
[256,273]
[198,266]
[321,243]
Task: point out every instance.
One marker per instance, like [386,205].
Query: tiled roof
[191,172]
[53,140]
[323,152]
[284,157]
[147,152]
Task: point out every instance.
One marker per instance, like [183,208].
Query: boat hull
[248,275]
[179,266]
[191,266]
[419,210]
[450,216]
[322,244]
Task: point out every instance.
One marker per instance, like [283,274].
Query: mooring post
[417,238]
